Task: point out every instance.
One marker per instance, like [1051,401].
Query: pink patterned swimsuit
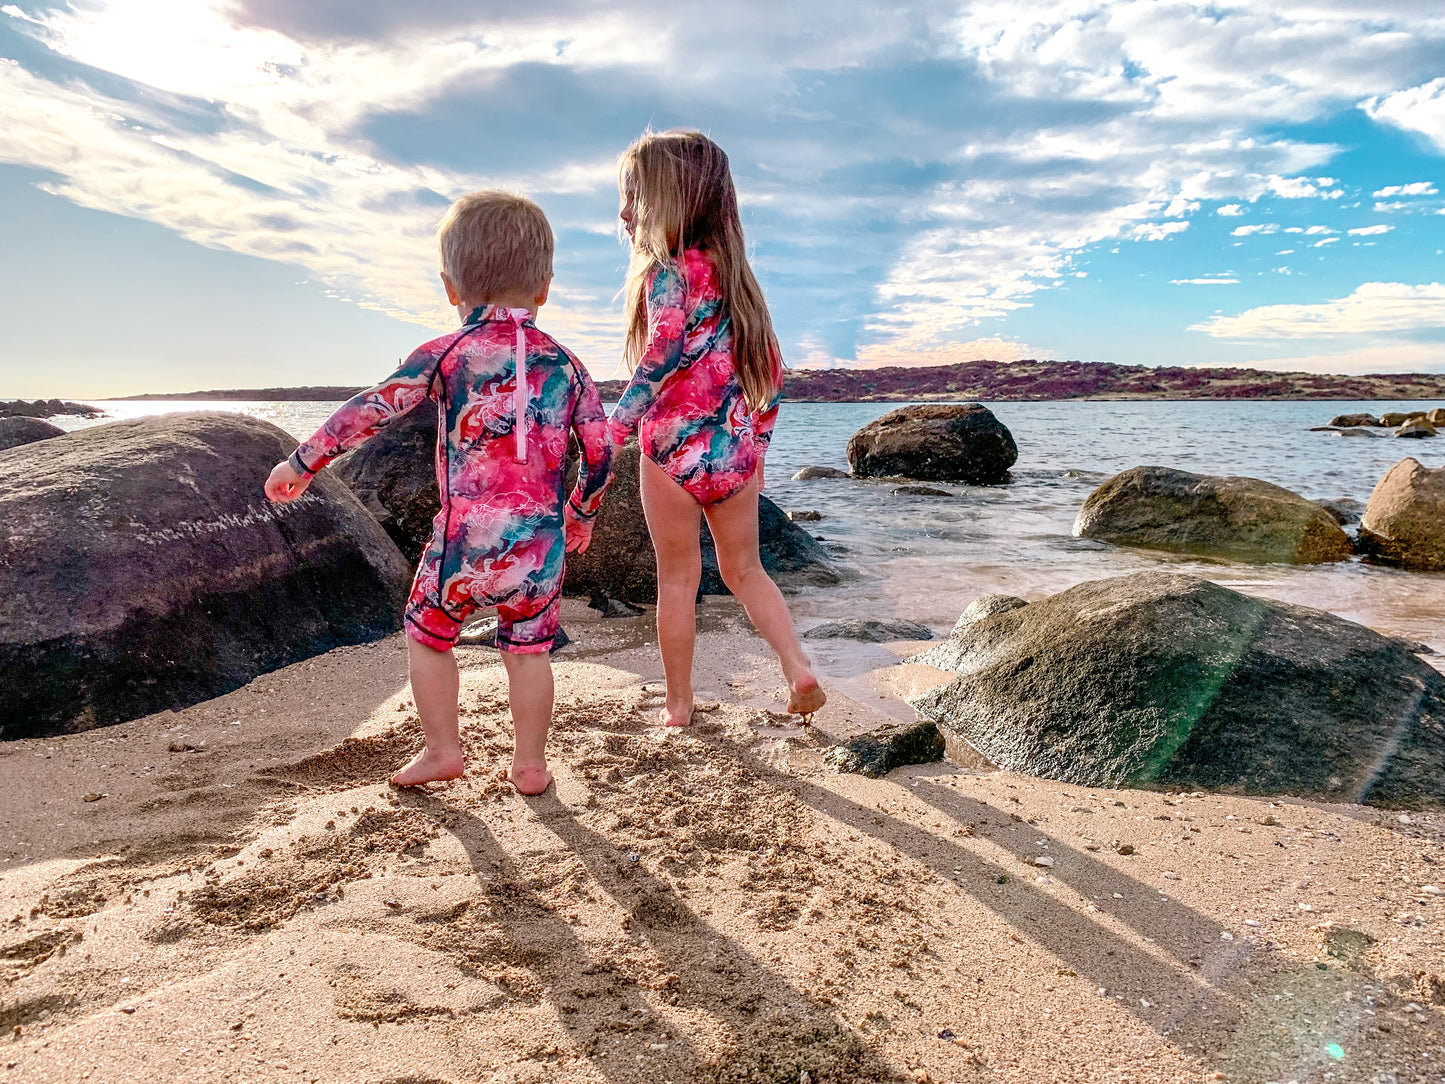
[500,461]
[684,398]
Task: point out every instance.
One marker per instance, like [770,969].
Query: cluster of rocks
[46,408]
[1246,519]
[1417,423]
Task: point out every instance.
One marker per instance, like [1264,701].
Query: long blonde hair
[685,199]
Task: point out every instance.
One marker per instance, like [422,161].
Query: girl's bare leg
[434,688]
[673,520]
[529,692]
[734,526]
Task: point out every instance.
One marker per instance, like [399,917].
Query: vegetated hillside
[1001,381]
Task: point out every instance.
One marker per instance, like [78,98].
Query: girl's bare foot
[529,779]
[679,714]
[430,767]
[805,696]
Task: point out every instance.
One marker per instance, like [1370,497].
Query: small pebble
[92,797]
[1432,890]
[1118,895]
[1045,861]
[1225,935]
[1124,848]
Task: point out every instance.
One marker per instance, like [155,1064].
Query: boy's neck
[501,301]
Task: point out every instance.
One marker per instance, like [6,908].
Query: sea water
[926,558]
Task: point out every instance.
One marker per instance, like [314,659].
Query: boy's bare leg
[734,526]
[434,687]
[673,519]
[529,692]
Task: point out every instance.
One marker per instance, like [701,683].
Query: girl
[703,397]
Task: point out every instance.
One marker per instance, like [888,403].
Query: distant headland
[1009,381]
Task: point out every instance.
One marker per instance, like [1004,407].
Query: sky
[209,194]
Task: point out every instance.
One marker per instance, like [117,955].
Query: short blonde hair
[494,243]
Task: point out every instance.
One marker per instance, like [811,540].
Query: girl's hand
[578,531]
[285,484]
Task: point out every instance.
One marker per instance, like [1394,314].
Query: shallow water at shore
[925,558]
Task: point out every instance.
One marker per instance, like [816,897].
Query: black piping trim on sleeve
[298,465]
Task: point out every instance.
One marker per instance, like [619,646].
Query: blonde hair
[493,243]
[685,199]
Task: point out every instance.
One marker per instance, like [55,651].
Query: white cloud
[1374,307]
[1394,357]
[1205,282]
[1326,241]
[1230,210]
[1387,208]
[1418,188]
[1157,231]
[1253,228]
[1369,231]
[1303,187]
[1418,109]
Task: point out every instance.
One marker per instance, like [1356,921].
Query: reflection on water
[925,558]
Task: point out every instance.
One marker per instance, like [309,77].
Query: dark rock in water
[483,633]
[621,563]
[1158,678]
[1393,419]
[142,568]
[17,431]
[394,476]
[1404,523]
[1415,429]
[1346,510]
[1354,419]
[1243,519]
[879,751]
[874,632]
[613,607]
[1361,431]
[807,474]
[920,491]
[804,516]
[1436,417]
[935,443]
[986,606]
[47,408]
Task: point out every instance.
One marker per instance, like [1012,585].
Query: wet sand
[246,900]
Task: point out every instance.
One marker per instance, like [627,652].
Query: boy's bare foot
[676,715]
[430,767]
[529,780]
[805,696]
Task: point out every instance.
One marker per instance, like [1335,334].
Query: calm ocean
[925,558]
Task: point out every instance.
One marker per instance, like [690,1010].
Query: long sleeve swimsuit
[507,395]
[684,398]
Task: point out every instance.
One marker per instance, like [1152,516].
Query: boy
[506,396]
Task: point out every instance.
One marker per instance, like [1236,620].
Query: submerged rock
[1346,510]
[1244,519]
[621,563]
[1159,678]
[1354,419]
[920,491]
[870,631]
[21,430]
[807,474]
[935,443]
[879,751]
[1404,523]
[142,568]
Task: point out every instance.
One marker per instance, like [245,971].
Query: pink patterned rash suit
[684,398]
[507,395]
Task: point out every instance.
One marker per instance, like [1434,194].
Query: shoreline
[249,899]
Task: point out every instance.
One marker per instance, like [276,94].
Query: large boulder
[1243,519]
[394,476]
[1436,417]
[20,430]
[1164,679]
[142,568]
[621,562]
[1354,419]
[1404,523]
[937,443]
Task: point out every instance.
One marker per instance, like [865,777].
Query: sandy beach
[233,893]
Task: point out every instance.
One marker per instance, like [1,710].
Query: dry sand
[246,900]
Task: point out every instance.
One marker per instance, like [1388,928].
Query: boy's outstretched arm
[359,418]
[666,329]
[594,470]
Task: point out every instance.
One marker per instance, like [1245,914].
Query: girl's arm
[763,428]
[666,327]
[594,471]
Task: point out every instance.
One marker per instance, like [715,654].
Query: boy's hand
[285,484]
[578,531]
